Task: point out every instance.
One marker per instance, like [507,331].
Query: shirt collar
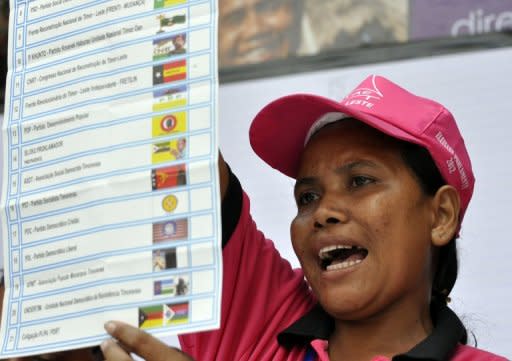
[447,333]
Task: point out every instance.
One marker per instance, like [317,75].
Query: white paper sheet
[110,194]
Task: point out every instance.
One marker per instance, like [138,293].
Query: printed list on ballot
[110,187]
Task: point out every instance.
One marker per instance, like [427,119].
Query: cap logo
[365,96]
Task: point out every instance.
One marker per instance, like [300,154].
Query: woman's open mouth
[341,256]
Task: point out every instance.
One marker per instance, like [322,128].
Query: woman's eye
[306,198]
[359,181]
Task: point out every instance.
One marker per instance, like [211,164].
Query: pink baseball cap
[280,131]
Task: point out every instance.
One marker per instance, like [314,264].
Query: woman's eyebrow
[304,181]
[354,165]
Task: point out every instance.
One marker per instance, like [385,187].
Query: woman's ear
[447,210]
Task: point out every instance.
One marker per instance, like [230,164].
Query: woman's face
[254,31]
[363,227]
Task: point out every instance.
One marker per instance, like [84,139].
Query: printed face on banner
[254,31]
[352,23]
[257,31]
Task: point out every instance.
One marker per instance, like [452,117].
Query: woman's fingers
[139,342]
[113,352]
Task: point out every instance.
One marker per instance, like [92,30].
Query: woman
[383,180]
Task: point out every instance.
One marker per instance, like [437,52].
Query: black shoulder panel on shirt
[438,346]
[316,324]
[231,208]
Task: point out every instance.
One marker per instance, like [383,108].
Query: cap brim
[278,132]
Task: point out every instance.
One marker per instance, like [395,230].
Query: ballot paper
[110,196]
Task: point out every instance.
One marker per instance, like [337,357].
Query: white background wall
[477,88]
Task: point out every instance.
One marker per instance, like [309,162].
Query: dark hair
[419,160]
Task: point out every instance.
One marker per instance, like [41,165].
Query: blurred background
[296,35]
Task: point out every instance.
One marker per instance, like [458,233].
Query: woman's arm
[223,176]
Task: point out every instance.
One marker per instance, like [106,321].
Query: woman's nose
[330,220]
[329,213]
